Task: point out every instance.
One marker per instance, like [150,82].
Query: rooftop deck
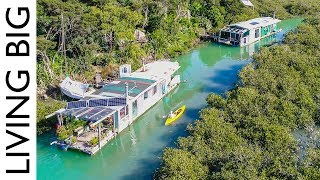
[255,23]
[156,70]
[117,87]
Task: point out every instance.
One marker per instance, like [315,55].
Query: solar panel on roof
[91,112]
[79,111]
[76,104]
[98,102]
[117,101]
[96,113]
[254,23]
[74,112]
[101,115]
[107,102]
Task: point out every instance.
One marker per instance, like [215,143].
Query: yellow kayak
[177,114]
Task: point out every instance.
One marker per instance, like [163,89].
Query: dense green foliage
[78,37]
[248,134]
[45,108]
[67,130]
[94,141]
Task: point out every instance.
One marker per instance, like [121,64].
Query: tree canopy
[249,134]
[76,37]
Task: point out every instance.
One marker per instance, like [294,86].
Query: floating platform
[248,32]
[112,108]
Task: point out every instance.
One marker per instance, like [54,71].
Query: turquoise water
[135,153]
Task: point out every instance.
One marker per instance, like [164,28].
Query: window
[155,88]
[256,33]
[122,112]
[246,33]
[233,35]
[127,110]
[225,35]
[146,95]
[238,37]
[125,70]
[254,23]
[135,108]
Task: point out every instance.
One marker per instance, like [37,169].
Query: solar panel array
[117,102]
[97,103]
[96,114]
[92,114]
[76,104]
[234,29]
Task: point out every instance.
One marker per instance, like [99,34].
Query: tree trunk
[47,63]
[109,40]
[146,12]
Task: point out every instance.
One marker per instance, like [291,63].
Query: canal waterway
[135,153]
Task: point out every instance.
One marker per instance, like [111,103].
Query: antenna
[127,90]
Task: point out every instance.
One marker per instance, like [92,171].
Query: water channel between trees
[135,153]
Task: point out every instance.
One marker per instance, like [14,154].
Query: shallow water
[135,152]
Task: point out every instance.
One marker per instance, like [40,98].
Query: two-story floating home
[247,32]
[117,104]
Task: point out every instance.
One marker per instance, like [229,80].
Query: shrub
[94,141]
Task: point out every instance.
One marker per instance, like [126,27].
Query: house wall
[143,104]
[123,122]
[252,36]
[263,34]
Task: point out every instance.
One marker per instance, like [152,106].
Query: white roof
[156,70]
[256,23]
[247,2]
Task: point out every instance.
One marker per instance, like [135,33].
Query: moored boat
[247,32]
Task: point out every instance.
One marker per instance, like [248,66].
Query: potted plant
[94,141]
[73,139]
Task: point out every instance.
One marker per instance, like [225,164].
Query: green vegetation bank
[249,134]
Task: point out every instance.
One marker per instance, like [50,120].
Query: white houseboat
[116,105]
[247,32]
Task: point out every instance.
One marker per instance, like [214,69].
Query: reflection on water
[309,138]
[135,152]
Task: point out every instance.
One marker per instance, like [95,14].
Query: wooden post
[58,117]
[99,134]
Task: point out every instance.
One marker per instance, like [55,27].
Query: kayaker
[171,115]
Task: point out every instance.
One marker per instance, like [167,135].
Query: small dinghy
[73,89]
[61,145]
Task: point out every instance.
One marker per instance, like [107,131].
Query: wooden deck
[82,143]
